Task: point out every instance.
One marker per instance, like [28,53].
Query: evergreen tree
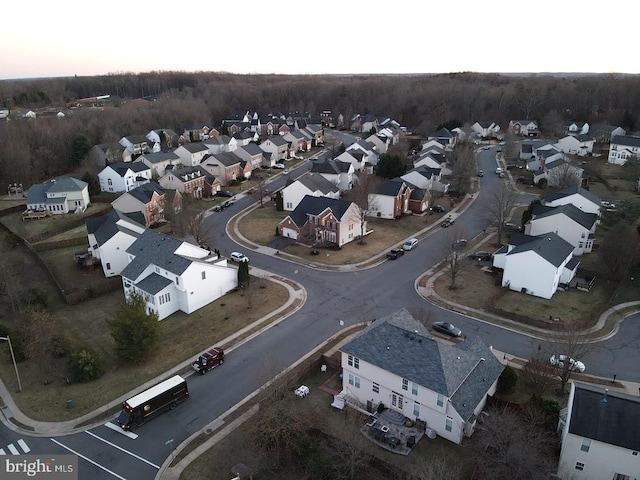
[134,331]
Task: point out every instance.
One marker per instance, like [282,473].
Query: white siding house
[59,196]
[123,176]
[580,145]
[577,196]
[622,148]
[173,275]
[569,222]
[600,435]
[310,183]
[396,363]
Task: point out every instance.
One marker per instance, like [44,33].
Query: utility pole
[15,365]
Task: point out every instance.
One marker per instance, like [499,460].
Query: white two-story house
[123,176]
[569,222]
[62,195]
[395,362]
[599,435]
[623,147]
[174,275]
[310,183]
[337,172]
[575,195]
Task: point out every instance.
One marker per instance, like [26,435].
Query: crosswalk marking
[117,428]
[23,446]
[13,450]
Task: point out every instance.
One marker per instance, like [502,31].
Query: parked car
[447,222]
[481,256]
[239,257]
[561,361]
[608,205]
[218,208]
[395,253]
[279,166]
[285,171]
[512,226]
[208,360]
[521,179]
[410,244]
[460,242]
[480,173]
[227,203]
[224,193]
[486,147]
[499,171]
[447,329]
[438,209]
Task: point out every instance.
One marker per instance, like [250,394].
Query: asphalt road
[334,300]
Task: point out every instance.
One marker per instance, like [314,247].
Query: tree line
[44,147]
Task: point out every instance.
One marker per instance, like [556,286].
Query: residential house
[465,134]
[558,172]
[278,147]
[191,154]
[381,143]
[396,363]
[316,132]
[313,184]
[541,153]
[368,148]
[173,275]
[420,199]
[599,438]
[198,132]
[298,141]
[604,133]
[567,221]
[433,144]
[577,196]
[324,220]
[390,200]
[337,172]
[576,144]
[105,153]
[61,195]
[165,137]
[486,129]
[123,176]
[524,128]
[212,185]
[445,137]
[426,178]
[149,199]
[245,137]
[622,148]
[226,166]
[109,237]
[429,160]
[221,143]
[159,161]
[576,128]
[186,180]
[134,146]
[251,153]
[355,157]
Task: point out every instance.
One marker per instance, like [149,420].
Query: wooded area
[32,150]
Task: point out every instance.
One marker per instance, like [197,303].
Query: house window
[440,400]
[376,387]
[289,206]
[157,269]
[108,266]
[586,444]
[397,400]
[414,388]
[204,275]
[110,182]
[579,466]
[353,380]
[177,280]
[620,476]
[353,361]
[405,384]
[448,424]
[416,409]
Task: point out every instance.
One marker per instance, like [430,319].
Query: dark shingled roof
[331,166]
[614,421]
[587,220]
[104,227]
[252,149]
[316,205]
[195,147]
[160,157]
[573,190]
[153,248]
[121,168]
[315,181]
[144,193]
[626,140]
[153,284]
[549,246]
[390,187]
[401,345]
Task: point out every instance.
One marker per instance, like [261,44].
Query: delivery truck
[154,401]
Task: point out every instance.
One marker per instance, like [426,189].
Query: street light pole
[15,365]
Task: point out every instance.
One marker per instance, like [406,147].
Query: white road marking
[87,459]
[122,449]
[116,428]
[23,445]
[2,452]
[13,450]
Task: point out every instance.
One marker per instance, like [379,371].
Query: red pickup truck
[208,360]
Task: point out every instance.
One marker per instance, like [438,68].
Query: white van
[410,244]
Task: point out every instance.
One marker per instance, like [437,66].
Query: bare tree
[10,282]
[350,445]
[436,467]
[360,195]
[528,98]
[539,375]
[499,206]
[564,176]
[260,190]
[575,345]
[515,449]
[454,255]
[463,167]
[191,221]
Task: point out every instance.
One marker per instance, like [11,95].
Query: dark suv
[481,256]
[395,253]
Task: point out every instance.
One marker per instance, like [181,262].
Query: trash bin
[69,403]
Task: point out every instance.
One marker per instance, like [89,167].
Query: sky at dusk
[66,37]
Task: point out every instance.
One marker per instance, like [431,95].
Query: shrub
[85,366]
[34,297]
[60,346]
[508,380]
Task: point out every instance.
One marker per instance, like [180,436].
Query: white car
[279,166]
[499,171]
[560,360]
[410,244]
[239,257]
[285,171]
